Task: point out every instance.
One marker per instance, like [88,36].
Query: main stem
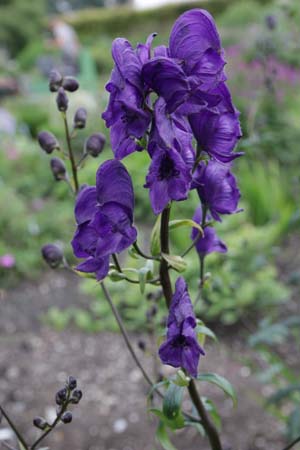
[71,155]
[164,245]
[209,427]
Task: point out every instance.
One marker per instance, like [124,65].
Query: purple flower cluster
[165,97]
[181,349]
[104,216]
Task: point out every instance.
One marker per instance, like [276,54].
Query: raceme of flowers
[172,102]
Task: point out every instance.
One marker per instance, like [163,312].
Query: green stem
[14,428]
[141,253]
[119,269]
[70,152]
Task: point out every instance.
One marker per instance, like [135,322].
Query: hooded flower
[218,130]
[168,179]
[208,243]
[104,216]
[125,115]
[217,188]
[181,348]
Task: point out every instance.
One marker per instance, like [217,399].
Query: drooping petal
[190,356]
[99,266]
[127,62]
[208,243]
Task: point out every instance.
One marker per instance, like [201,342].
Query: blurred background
[51,325]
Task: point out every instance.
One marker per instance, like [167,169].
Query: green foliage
[221,382]
[20,23]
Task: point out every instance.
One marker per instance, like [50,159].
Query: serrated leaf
[163,437]
[175,261]
[155,237]
[221,382]
[173,224]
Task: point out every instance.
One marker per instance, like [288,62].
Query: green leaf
[181,379]
[221,382]
[203,331]
[175,261]
[114,275]
[173,224]
[163,438]
[145,273]
[283,393]
[196,425]
[212,409]
[155,237]
[172,401]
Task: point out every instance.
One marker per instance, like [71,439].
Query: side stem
[71,155]
[14,428]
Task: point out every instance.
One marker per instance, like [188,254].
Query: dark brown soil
[35,360]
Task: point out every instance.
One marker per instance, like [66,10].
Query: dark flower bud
[40,423]
[71,383]
[80,118]
[58,169]
[47,141]
[61,396]
[55,80]
[95,144]
[53,255]
[271,22]
[70,84]
[76,396]
[66,417]
[62,100]
[142,345]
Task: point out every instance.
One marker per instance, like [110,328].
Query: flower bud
[142,345]
[76,396]
[58,169]
[55,80]
[40,423]
[66,417]
[61,396]
[70,84]
[53,255]
[47,141]
[271,22]
[80,118]
[95,144]
[71,383]
[62,100]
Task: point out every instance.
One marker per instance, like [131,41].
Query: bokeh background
[52,325]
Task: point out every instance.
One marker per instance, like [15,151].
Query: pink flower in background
[7,261]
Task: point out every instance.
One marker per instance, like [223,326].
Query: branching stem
[70,152]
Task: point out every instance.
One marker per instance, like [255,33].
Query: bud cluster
[67,395]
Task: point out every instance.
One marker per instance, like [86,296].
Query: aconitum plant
[174,104]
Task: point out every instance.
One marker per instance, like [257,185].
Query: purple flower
[168,179]
[104,216]
[210,242]
[125,116]
[218,130]
[217,188]
[181,348]
[7,261]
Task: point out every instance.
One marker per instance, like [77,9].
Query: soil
[35,361]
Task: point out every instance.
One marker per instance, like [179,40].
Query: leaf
[212,409]
[145,273]
[283,393]
[175,261]
[173,224]
[293,424]
[196,425]
[163,438]
[221,382]
[155,237]
[203,331]
[172,401]
[181,379]
[114,275]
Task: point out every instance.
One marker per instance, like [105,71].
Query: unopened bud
[55,80]
[47,141]
[71,383]
[95,144]
[142,345]
[76,396]
[80,118]
[61,396]
[40,423]
[70,84]
[53,255]
[271,22]
[66,417]
[58,169]
[62,100]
